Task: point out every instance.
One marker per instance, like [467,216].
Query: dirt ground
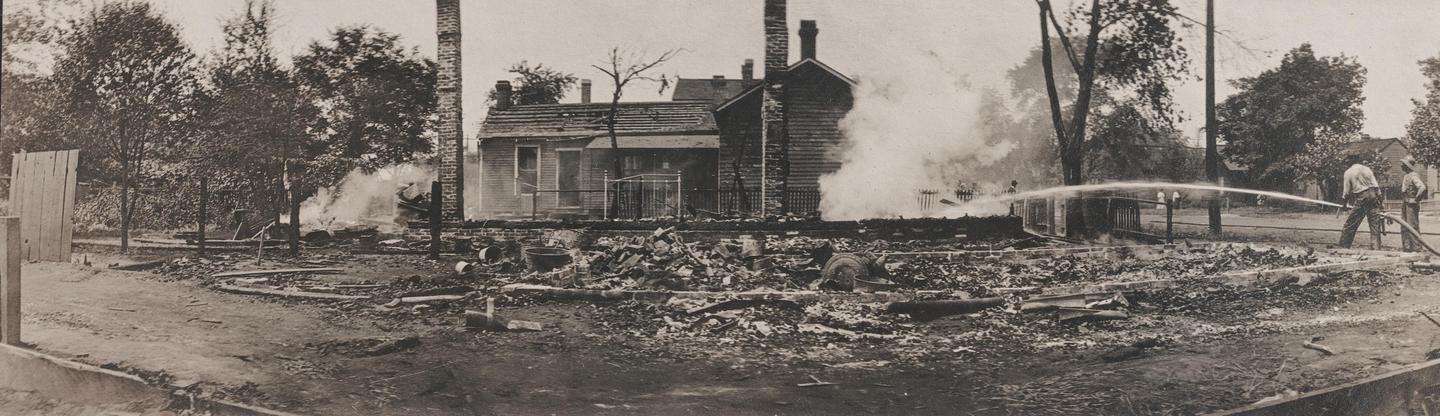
[1429,223]
[1218,349]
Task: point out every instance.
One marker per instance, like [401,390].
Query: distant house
[817,98]
[1393,150]
[554,160]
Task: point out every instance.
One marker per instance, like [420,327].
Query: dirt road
[607,359]
[1328,227]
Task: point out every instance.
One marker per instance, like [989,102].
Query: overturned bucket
[544,259]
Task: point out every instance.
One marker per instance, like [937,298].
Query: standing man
[1412,191]
[1011,191]
[1362,195]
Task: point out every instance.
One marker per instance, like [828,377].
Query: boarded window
[527,169]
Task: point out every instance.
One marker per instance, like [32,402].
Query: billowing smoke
[365,198]
[910,130]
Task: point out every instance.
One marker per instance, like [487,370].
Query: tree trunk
[124,203]
[1071,167]
[294,222]
[616,163]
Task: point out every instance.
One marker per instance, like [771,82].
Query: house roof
[588,119]
[713,90]
[1220,148]
[797,65]
[1371,145]
[692,141]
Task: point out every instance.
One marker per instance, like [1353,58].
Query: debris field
[847,304]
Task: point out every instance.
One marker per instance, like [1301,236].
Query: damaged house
[750,145]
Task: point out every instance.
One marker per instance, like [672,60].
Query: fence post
[10,281]
[1170,222]
[204,214]
[435,207]
[605,193]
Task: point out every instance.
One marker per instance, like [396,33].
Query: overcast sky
[980,38]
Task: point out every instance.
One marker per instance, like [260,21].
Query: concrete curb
[64,380]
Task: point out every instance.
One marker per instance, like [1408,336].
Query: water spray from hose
[996,203]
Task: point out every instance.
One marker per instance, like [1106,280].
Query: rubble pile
[664,261]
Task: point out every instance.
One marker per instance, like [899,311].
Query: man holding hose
[1362,195]
[1412,191]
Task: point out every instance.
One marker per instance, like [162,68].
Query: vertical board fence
[42,194]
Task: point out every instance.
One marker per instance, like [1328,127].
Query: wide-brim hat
[1408,162]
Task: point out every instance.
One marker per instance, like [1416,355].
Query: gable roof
[713,90]
[588,120]
[792,68]
[1371,145]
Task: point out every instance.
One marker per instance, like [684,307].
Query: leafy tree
[1129,45]
[1423,131]
[376,98]
[257,119]
[1278,114]
[28,101]
[128,84]
[537,84]
[1127,145]
[1325,159]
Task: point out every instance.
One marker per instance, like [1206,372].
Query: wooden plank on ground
[318,270]
[1244,279]
[1386,394]
[287,293]
[660,296]
[10,259]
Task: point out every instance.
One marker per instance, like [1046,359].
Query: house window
[634,164]
[527,169]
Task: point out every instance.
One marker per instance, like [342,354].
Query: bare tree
[1129,45]
[623,67]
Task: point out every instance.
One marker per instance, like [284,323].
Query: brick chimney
[451,129]
[774,163]
[747,71]
[807,39]
[502,95]
[585,91]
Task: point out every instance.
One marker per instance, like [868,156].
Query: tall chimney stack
[451,129]
[502,95]
[774,163]
[747,71]
[585,91]
[807,39]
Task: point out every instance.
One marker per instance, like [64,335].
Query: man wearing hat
[1412,191]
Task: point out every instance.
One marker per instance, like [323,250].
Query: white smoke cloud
[363,198]
[910,129]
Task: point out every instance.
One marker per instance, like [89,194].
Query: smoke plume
[364,198]
[914,129]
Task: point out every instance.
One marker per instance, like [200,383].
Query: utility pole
[1212,155]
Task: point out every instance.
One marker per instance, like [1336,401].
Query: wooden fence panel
[42,193]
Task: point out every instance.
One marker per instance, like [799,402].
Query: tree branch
[1064,37]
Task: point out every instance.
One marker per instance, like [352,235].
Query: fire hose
[1413,232]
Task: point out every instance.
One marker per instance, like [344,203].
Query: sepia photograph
[739,207]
